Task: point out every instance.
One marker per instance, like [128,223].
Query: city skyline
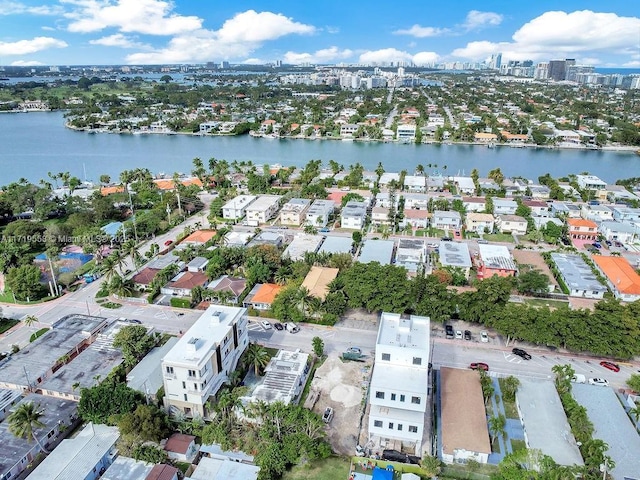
[80,32]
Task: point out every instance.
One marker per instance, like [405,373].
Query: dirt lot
[342,386]
[528,257]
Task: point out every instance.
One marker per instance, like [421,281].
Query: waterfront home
[387,177]
[406,132]
[539,191]
[479,222]
[348,130]
[582,229]
[415,183]
[435,183]
[488,185]
[483,137]
[590,182]
[513,224]
[464,185]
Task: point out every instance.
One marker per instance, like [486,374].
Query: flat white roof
[240,201]
[334,244]
[496,256]
[575,272]
[210,329]
[301,244]
[455,254]
[400,378]
[214,469]
[263,203]
[380,251]
[404,330]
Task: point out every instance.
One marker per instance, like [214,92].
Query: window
[415,400]
[192,373]
[399,427]
[184,384]
[402,398]
[377,423]
[185,397]
[169,369]
[386,357]
[417,361]
[393,397]
[380,395]
[195,387]
[413,429]
[390,425]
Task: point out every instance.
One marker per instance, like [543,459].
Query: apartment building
[294,212]
[197,366]
[399,384]
[354,215]
[319,213]
[262,209]
[236,208]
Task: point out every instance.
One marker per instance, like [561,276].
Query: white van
[291,327]
[579,378]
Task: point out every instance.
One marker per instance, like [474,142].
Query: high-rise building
[542,71]
[224,64]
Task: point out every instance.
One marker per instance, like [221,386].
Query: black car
[449,331]
[467,335]
[521,353]
[447,239]
[278,326]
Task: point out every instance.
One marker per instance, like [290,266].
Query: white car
[484,337]
[266,325]
[579,378]
[601,382]
[458,334]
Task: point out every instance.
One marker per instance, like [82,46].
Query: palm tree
[120,287]
[257,356]
[130,247]
[635,413]
[30,320]
[109,266]
[304,297]
[497,426]
[24,420]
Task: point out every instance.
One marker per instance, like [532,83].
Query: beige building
[479,222]
[294,212]
[318,279]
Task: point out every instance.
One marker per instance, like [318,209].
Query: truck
[327,416]
[291,327]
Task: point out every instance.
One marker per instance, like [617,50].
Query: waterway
[32,144]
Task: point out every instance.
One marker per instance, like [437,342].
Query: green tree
[510,387]
[146,422]
[634,382]
[318,346]
[100,403]
[24,282]
[29,320]
[256,356]
[25,420]
[135,342]
[532,282]
[563,376]
[497,426]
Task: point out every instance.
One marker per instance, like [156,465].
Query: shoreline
[610,148]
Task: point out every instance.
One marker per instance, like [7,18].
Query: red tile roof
[179,443]
[162,472]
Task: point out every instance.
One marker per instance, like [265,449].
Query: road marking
[512,358]
[161,314]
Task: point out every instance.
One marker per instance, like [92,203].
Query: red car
[168,242]
[479,366]
[610,366]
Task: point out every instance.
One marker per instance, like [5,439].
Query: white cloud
[558,34]
[419,31]
[385,55]
[332,30]
[48,28]
[118,40]
[17,8]
[151,17]
[237,38]
[326,55]
[26,63]
[23,47]
[476,19]
[425,58]
[254,61]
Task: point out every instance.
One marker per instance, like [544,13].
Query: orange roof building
[168,184]
[582,229]
[262,296]
[199,237]
[622,279]
[109,190]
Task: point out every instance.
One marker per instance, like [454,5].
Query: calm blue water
[32,144]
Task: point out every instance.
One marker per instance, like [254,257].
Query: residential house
[411,253]
[198,264]
[406,132]
[621,277]
[617,193]
[590,182]
[502,206]
[334,244]
[199,364]
[124,467]
[262,296]
[538,208]
[464,185]
[495,260]
[541,222]
[455,255]
[380,216]
[146,376]
[353,215]
[181,447]
[578,276]
[216,469]
[465,434]
[488,185]
[348,130]
[618,231]
[380,251]
[626,214]
[415,183]
[144,277]
[541,192]
[236,208]
[262,209]
[318,279]
[597,213]
[418,201]
[302,244]
[86,456]
[198,238]
[446,220]
[416,218]
[474,204]
[163,472]
[435,183]
[319,213]
[268,237]
[182,284]
[511,224]
[582,229]
[387,177]
[399,386]
[479,222]
[227,289]
[294,212]
[483,137]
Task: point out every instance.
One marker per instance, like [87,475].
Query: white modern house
[399,383]
[590,182]
[479,222]
[446,220]
[619,231]
[319,213]
[353,215]
[262,209]
[406,132]
[197,366]
[502,206]
[236,208]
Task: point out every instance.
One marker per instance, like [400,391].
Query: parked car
[266,325]
[482,241]
[479,366]
[617,243]
[608,242]
[598,245]
[614,367]
[458,334]
[449,331]
[278,326]
[291,327]
[579,378]
[600,382]
[432,245]
[324,230]
[467,335]
[521,353]
[484,338]
[354,350]
[447,239]
[327,416]
[168,242]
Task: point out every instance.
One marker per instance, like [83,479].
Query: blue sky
[81,32]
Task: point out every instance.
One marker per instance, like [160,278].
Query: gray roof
[334,244]
[13,449]
[613,426]
[496,256]
[380,251]
[39,357]
[455,254]
[198,262]
[147,375]
[163,261]
[301,244]
[619,227]
[545,423]
[576,274]
[354,208]
[124,467]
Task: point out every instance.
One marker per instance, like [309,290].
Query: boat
[4,79]
[491,145]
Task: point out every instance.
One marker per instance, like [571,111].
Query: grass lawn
[333,468]
[7,297]
[510,408]
[7,324]
[518,445]
[499,237]
[38,334]
[545,302]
